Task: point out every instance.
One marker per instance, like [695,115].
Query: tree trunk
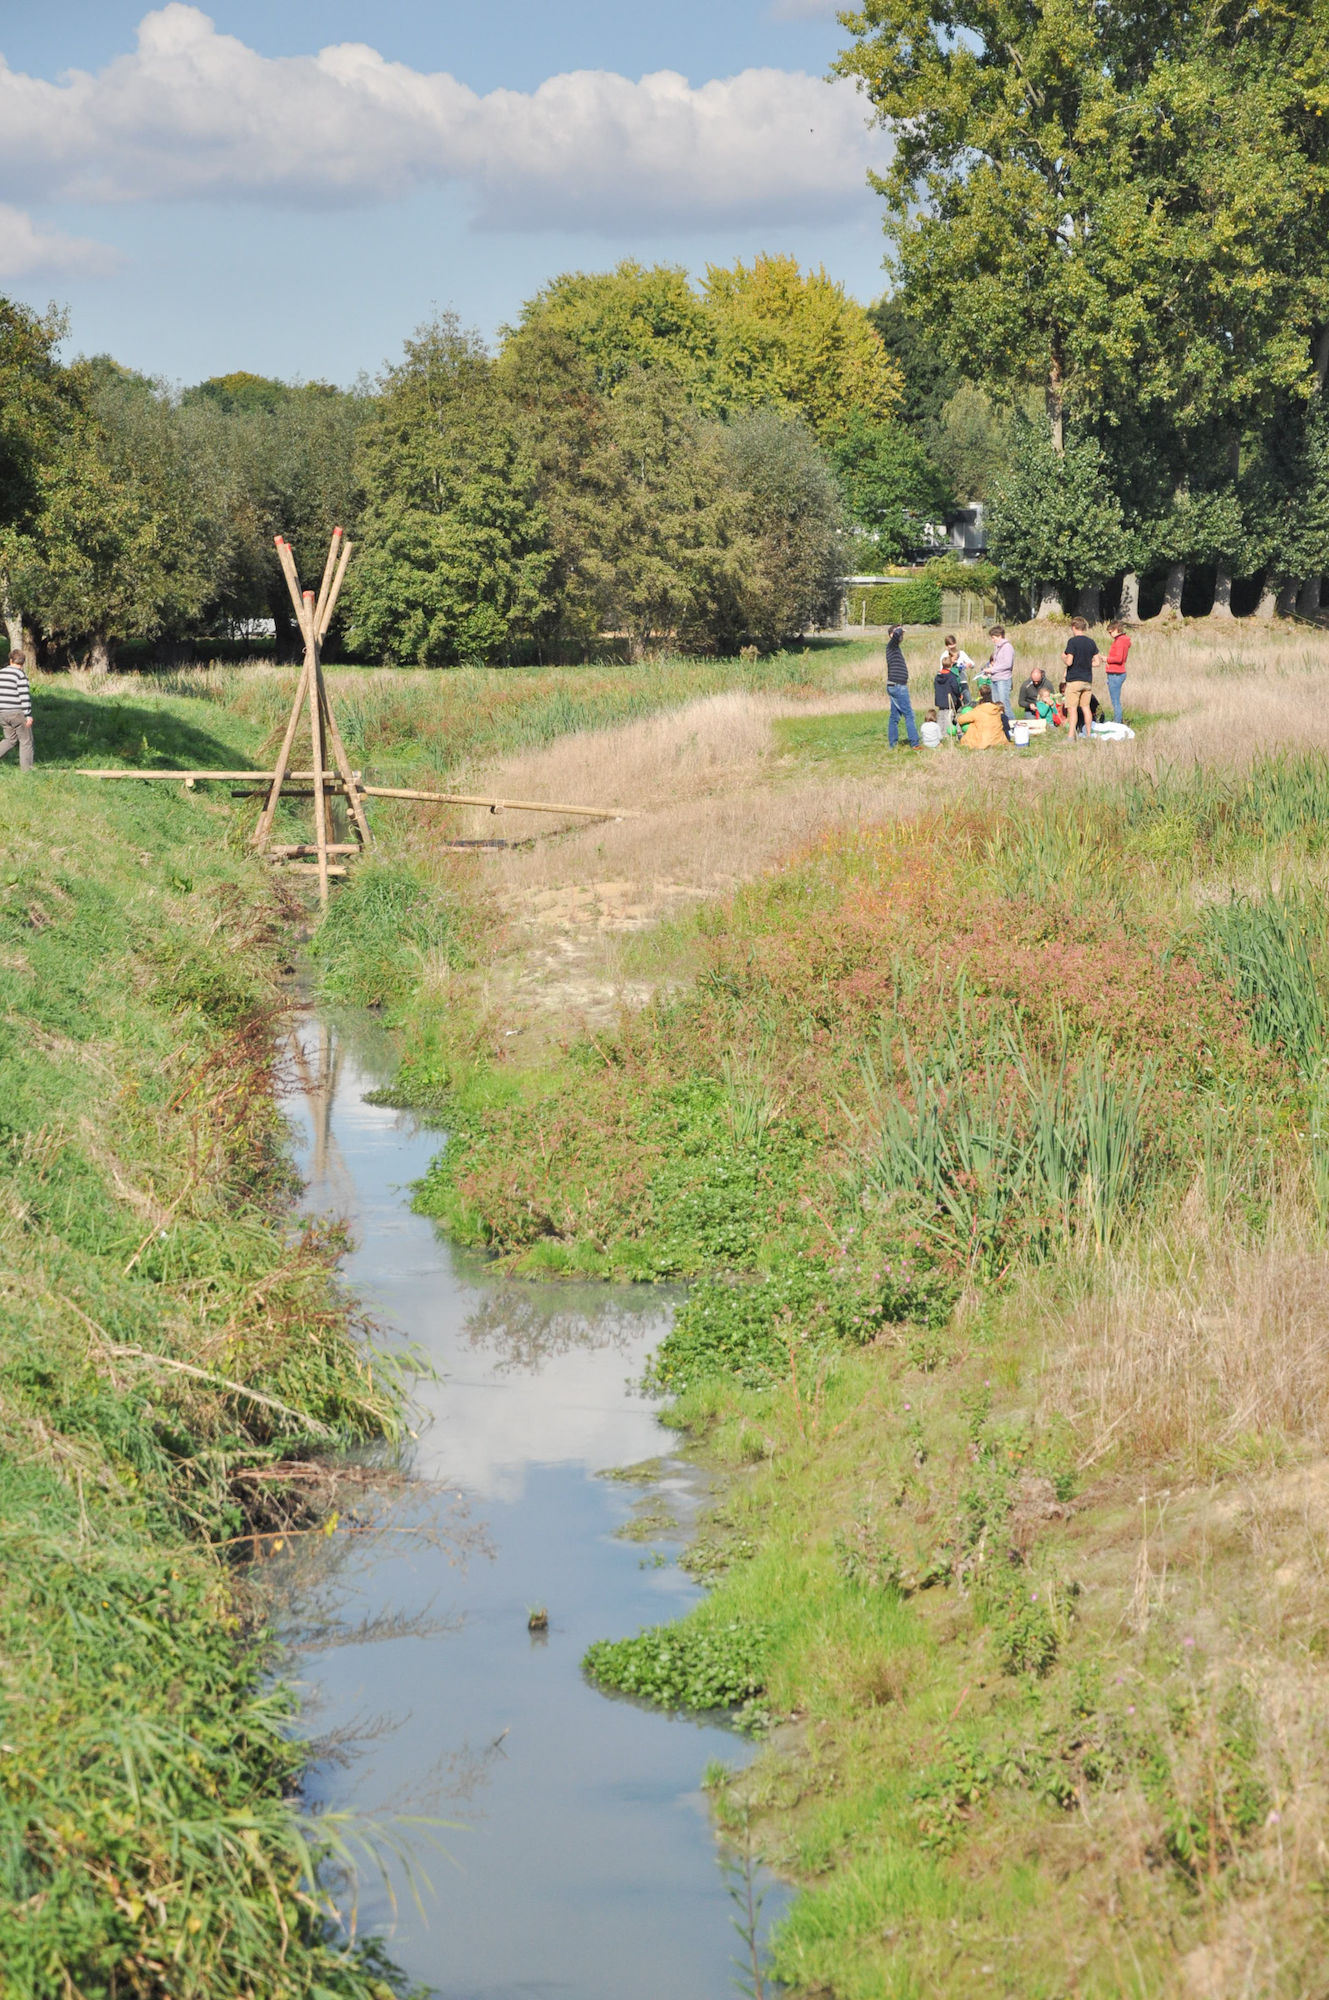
[1222,604]
[1286,602]
[1322,358]
[1176,583]
[1308,598]
[1128,610]
[99,655]
[1056,401]
[1268,596]
[1089,602]
[1049,604]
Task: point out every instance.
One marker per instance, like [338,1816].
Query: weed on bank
[993,1146]
[171,1345]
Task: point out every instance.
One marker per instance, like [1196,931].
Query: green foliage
[757,1332]
[891,486]
[380,930]
[917,602]
[1006,1153]
[791,520]
[763,335]
[455,554]
[1054,518]
[1265,948]
[698,1664]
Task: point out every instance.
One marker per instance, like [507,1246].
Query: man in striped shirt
[16,712]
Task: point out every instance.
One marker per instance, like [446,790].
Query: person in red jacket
[1116,664]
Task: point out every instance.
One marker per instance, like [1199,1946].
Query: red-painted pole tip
[336,531]
[307,594]
[277,540]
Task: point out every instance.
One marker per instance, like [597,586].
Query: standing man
[1080,658]
[897,686]
[1116,664]
[1001,668]
[16,712]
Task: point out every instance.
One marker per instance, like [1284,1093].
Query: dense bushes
[917,602]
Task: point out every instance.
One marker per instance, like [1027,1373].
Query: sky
[291,187]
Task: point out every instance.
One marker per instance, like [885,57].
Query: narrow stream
[578,1859]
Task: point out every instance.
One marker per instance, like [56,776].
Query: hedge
[914,603]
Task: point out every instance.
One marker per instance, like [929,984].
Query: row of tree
[641,457]
[1110,240]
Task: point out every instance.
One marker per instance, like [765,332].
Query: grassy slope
[409,727]
[147,1840]
[1036,1736]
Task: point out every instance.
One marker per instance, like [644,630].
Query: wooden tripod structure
[313,614]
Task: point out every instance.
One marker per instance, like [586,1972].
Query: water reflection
[586,1866]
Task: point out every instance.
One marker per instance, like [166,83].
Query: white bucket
[1020,733]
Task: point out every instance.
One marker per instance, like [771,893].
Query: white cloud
[196,114]
[27,250]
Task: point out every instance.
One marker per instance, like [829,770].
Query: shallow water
[579,1860]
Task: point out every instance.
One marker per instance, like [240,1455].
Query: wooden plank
[333,781]
[323,871]
[497,805]
[292,851]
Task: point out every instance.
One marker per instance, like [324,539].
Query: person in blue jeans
[897,687]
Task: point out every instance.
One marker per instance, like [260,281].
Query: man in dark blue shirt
[1080,658]
[897,687]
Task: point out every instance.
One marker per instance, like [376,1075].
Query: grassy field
[983,1098]
[173,1356]
[984,1101]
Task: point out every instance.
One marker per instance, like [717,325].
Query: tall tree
[455,553]
[121,547]
[37,406]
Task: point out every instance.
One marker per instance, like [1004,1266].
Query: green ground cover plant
[1011,1123]
[169,1342]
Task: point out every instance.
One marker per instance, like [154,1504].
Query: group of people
[984,718]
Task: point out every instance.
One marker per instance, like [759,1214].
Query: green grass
[933,1088]
[858,740]
[411,726]
[150,1844]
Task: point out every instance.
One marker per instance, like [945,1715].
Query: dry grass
[1191,1350]
[717,806]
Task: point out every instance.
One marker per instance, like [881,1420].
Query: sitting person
[1093,709]
[931,730]
[984,725]
[1037,694]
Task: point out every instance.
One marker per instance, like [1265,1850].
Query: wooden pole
[328,567]
[325,616]
[343,762]
[497,805]
[264,827]
[318,757]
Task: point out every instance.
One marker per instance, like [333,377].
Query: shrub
[916,602]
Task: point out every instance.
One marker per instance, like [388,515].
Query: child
[949,691]
[931,730]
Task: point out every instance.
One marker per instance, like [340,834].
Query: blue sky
[291,188]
